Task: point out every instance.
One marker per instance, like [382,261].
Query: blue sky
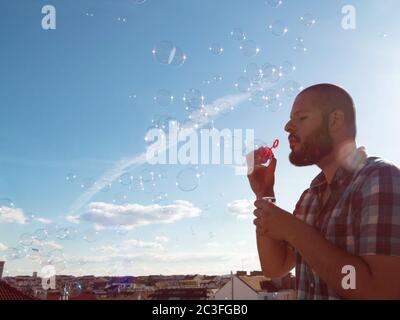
[67,107]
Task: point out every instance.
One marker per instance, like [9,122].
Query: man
[347,224]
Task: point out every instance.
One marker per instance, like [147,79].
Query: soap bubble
[249,48]
[163,97]
[238,34]
[165,52]
[125,179]
[216,49]
[26,239]
[243,84]
[274,3]
[273,103]
[122,230]
[87,183]
[188,179]
[193,99]
[286,68]
[160,197]
[6,203]
[71,177]
[163,122]
[383,35]
[278,28]
[40,234]
[271,73]
[74,289]
[300,46]
[106,185]
[258,98]
[66,233]
[14,253]
[217,78]
[291,88]
[308,20]
[253,72]
[90,235]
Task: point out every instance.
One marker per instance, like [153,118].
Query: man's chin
[299,160]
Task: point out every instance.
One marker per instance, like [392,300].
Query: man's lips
[293,141]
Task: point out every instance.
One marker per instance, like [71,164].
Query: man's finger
[256,222]
[257,213]
[263,204]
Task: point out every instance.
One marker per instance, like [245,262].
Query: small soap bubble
[216,49]
[160,197]
[274,3]
[238,34]
[165,52]
[26,239]
[188,179]
[249,48]
[40,234]
[308,20]
[300,46]
[271,73]
[291,88]
[6,203]
[163,97]
[287,68]
[278,28]
[254,72]
[70,177]
[243,84]
[90,235]
[193,99]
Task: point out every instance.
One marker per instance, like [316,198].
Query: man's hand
[273,222]
[261,178]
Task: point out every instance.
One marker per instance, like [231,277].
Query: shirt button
[312,285]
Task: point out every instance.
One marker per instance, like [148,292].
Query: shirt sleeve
[378,214]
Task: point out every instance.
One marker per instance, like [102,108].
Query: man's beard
[315,147]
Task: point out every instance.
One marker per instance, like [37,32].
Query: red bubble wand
[267,154]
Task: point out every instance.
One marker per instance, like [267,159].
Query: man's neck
[332,162]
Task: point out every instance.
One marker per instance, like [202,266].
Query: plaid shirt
[362,216]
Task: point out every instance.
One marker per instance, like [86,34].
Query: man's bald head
[328,98]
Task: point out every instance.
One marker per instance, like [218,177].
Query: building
[253,287]
[7,292]
[180,294]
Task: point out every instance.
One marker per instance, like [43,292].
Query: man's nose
[289,127]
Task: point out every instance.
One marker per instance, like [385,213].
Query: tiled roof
[8,292]
[258,283]
[184,294]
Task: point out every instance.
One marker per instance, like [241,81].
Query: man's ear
[336,120]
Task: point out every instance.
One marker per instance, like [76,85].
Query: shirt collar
[354,162]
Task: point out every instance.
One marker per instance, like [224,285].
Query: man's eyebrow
[297,112]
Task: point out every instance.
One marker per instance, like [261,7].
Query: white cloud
[73,219]
[213,244]
[49,244]
[12,215]
[106,215]
[162,239]
[53,244]
[242,209]
[44,220]
[2,247]
[143,244]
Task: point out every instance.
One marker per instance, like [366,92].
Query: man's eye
[303,118]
